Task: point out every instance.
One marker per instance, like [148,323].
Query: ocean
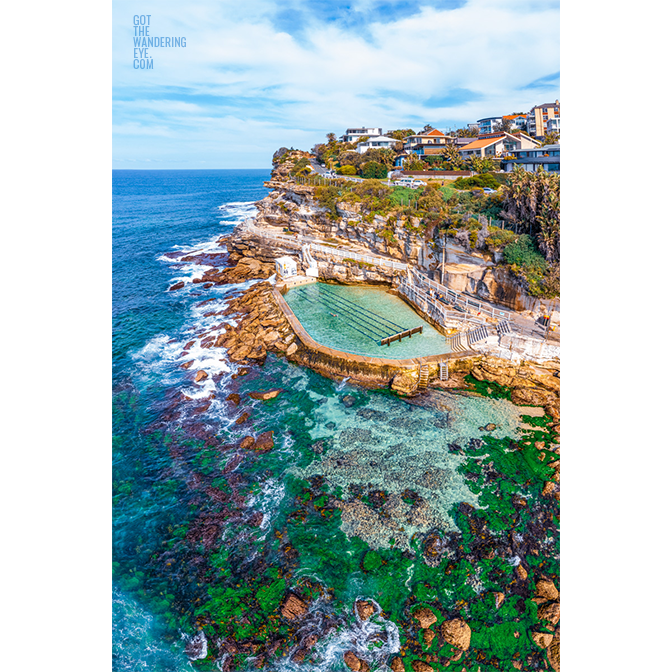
[209,538]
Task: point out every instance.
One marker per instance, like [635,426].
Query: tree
[331,138]
[400,133]
[479,164]
[414,162]
[504,126]
[467,132]
[532,205]
[551,138]
[451,156]
[373,170]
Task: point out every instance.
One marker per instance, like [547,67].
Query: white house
[354,134]
[376,142]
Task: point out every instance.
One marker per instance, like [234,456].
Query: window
[553,166]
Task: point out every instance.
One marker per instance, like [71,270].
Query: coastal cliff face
[293,207]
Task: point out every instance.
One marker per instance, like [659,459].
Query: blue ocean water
[154,212]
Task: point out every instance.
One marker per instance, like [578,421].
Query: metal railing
[298,240]
[459,300]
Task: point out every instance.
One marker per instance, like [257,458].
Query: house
[548,157]
[539,116]
[518,121]
[433,138]
[487,125]
[553,124]
[354,134]
[497,144]
[376,142]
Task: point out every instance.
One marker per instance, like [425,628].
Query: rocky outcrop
[425,617]
[293,608]
[457,633]
[364,609]
[405,383]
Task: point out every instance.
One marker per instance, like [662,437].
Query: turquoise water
[354,319]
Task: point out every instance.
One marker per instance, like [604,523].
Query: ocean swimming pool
[355,319]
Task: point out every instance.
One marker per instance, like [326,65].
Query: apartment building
[539,116]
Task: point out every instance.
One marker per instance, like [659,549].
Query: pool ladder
[424,376]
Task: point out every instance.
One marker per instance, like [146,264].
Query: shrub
[484,180]
[373,170]
[524,254]
[347,170]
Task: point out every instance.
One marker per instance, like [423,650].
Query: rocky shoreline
[434,638]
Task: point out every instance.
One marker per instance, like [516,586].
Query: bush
[346,170]
[484,180]
[374,170]
[300,167]
[524,254]
[499,237]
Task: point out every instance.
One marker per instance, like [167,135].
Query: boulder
[428,636]
[178,285]
[425,617]
[200,375]
[186,365]
[265,396]
[247,442]
[348,400]
[292,349]
[553,652]
[242,418]
[293,608]
[549,612]
[364,609]
[521,572]
[234,398]
[420,666]
[397,665]
[546,589]
[490,427]
[457,633]
[542,639]
[264,442]
[499,600]
[405,383]
[355,663]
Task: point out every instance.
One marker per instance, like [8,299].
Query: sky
[258,75]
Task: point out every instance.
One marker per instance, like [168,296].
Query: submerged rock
[542,639]
[264,442]
[355,663]
[200,375]
[348,400]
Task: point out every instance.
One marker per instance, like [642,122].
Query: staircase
[457,342]
[503,327]
[424,376]
[476,335]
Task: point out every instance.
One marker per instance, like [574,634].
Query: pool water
[355,319]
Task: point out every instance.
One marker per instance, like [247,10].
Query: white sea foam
[237,211]
[373,640]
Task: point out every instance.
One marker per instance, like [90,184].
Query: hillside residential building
[354,134]
[547,157]
[431,143]
[376,142]
[539,116]
[487,125]
[497,144]
[553,124]
[518,121]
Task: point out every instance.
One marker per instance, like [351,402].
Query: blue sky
[258,75]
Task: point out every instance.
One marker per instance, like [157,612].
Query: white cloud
[236,64]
